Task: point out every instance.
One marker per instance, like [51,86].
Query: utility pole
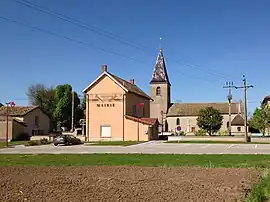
[245,87]
[162,113]
[72,114]
[229,85]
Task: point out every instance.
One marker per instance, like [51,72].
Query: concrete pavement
[152,147]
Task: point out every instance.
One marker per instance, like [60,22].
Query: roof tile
[193,109]
[17,110]
[130,87]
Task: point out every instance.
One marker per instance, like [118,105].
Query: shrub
[44,141]
[34,142]
[22,137]
[223,133]
[200,132]
[182,133]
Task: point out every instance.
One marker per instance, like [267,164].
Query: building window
[134,110]
[239,129]
[177,121]
[37,132]
[36,121]
[193,129]
[166,126]
[158,91]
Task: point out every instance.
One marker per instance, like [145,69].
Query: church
[176,117]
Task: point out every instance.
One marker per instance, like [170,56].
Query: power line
[104,33]
[82,43]
[68,38]
[77,22]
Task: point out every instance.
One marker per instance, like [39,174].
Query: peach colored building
[117,110]
[24,119]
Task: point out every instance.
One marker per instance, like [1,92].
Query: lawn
[215,142]
[3,144]
[166,160]
[113,143]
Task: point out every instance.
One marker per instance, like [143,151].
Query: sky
[205,44]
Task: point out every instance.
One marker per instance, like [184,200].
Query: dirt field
[104,183]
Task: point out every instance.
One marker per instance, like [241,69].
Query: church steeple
[160,74]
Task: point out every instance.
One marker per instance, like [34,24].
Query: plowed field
[124,183]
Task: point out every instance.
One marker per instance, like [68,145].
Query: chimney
[132,81]
[104,68]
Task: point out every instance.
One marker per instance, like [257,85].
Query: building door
[106,131]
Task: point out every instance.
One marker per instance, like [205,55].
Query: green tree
[210,120]
[63,110]
[40,95]
[56,102]
[261,118]
[84,102]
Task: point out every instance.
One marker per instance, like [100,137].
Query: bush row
[42,141]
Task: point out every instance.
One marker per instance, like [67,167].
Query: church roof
[238,121]
[160,74]
[193,109]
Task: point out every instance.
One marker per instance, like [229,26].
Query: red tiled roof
[131,87]
[148,121]
[153,121]
[17,110]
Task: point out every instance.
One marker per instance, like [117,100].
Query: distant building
[24,119]
[184,115]
[118,110]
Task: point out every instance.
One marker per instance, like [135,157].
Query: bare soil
[122,183]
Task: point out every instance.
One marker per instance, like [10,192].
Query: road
[153,147]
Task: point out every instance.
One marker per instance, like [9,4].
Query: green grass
[215,142]
[113,143]
[166,160]
[260,192]
[3,144]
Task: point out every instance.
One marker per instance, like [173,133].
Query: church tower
[160,89]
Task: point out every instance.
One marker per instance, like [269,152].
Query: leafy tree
[210,120]
[84,102]
[1,105]
[56,102]
[40,95]
[261,118]
[63,110]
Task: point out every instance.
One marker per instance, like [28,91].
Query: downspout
[124,117]
[138,132]
[87,97]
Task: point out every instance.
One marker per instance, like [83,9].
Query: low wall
[41,137]
[81,137]
[105,139]
[218,138]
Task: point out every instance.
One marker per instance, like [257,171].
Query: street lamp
[11,104]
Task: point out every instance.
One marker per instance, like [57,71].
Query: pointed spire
[160,74]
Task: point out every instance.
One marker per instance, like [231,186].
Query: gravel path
[119,183]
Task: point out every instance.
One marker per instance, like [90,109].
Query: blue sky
[205,43]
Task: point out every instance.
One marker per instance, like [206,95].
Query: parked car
[66,140]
